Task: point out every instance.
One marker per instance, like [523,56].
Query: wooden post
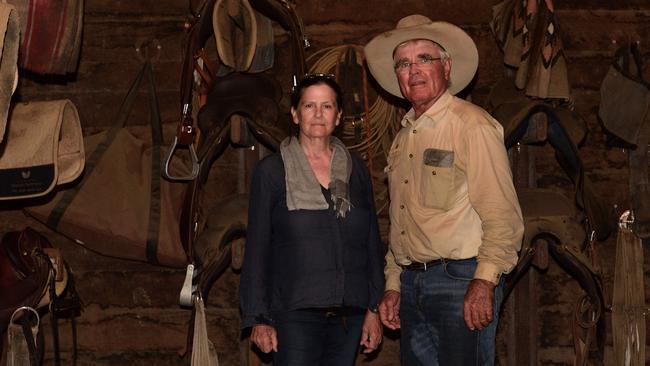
[521,306]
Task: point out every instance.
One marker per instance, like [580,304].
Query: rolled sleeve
[392,272]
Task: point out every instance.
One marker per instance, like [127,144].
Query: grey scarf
[303,189]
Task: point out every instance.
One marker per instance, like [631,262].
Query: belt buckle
[425,266]
[329,314]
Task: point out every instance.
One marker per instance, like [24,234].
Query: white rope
[378,135]
[203,351]
[381,113]
[628,303]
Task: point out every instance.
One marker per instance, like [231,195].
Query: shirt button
[411,156]
[433,172]
[403,232]
[401,206]
[406,181]
[415,131]
[408,257]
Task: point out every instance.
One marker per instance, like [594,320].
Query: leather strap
[156,141]
[54,321]
[31,342]
[200,30]
[196,38]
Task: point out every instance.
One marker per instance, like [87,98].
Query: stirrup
[170,155]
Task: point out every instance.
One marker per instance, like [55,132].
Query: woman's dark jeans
[318,337]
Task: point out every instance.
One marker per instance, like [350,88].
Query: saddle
[536,122]
[34,277]
[251,95]
[223,235]
[230,105]
[201,29]
[24,272]
[552,226]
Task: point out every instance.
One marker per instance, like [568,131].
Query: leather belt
[417,266]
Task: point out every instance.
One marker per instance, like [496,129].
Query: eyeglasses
[422,62]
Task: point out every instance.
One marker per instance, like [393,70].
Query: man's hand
[371,332]
[478,304]
[265,338]
[389,309]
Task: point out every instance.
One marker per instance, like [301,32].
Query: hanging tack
[626,219]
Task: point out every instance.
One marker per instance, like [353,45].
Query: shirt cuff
[488,271]
[393,283]
[249,321]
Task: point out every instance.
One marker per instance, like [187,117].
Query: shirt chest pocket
[437,178]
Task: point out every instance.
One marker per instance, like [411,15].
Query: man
[456,225]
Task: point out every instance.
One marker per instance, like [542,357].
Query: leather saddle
[535,122]
[24,271]
[552,226]
[254,96]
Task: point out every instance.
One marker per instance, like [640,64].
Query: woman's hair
[316,79]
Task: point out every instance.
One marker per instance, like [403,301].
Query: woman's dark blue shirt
[308,258]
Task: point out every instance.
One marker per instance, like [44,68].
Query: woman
[313,271]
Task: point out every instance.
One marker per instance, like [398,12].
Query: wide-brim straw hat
[458,44]
[235,30]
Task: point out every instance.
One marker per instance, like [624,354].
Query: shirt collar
[433,113]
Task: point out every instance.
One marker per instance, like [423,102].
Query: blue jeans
[433,328]
[310,337]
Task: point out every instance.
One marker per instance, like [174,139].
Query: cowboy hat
[459,45]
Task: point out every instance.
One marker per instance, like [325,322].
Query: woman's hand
[265,338]
[371,332]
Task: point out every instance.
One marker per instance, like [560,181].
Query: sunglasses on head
[313,77]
